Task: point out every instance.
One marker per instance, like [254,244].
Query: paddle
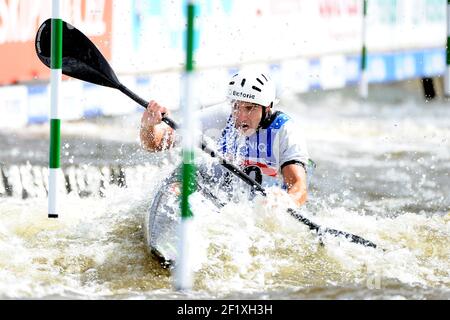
[82,60]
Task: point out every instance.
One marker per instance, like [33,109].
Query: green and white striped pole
[364,80]
[55,122]
[447,71]
[183,267]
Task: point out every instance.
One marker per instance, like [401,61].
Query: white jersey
[263,154]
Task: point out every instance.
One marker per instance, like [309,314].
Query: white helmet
[251,86]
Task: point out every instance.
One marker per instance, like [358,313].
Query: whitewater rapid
[382,173]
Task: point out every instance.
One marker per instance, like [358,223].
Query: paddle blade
[81,58]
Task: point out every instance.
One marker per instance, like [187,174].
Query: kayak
[163,216]
[213,191]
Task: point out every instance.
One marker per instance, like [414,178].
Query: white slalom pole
[447,70]
[364,80]
[183,265]
[55,122]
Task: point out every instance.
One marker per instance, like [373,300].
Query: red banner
[20,20]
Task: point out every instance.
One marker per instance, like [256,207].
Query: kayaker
[267,144]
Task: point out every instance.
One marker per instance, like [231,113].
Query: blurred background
[305,45]
[382,159]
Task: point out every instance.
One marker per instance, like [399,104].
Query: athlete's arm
[155,135]
[294,176]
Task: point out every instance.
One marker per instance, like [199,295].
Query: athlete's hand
[153,115]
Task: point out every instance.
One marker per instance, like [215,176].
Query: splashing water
[382,174]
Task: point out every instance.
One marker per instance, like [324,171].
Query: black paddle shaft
[257,187]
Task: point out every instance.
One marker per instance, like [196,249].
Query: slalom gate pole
[364,81]
[183,269]
[55,122]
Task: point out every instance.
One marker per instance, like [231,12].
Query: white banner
[149,34]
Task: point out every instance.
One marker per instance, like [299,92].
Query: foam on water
[382,174]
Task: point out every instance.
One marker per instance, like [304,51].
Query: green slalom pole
[447,70]
[364,81]
[55,121]
[183,271]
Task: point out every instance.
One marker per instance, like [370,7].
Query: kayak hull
[163,217]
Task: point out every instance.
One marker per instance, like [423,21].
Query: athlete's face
[247,116]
